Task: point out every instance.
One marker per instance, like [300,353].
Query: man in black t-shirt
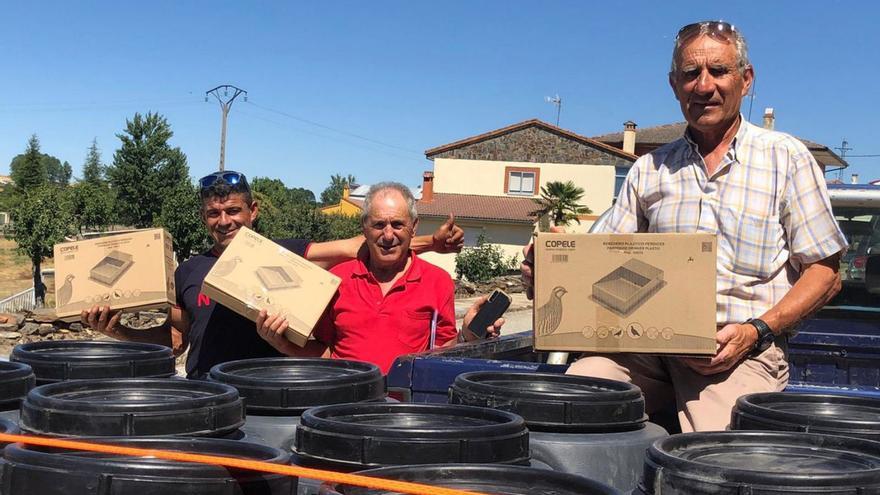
[214,333]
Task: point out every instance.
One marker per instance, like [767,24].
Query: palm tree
[559,201]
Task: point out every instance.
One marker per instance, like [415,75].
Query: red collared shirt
[364,325]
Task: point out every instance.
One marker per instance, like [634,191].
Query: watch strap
[765,334]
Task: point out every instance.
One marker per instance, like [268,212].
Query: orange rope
[265,467]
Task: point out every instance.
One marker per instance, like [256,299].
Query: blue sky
[409,75]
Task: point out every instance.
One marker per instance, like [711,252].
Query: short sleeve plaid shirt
[767,204]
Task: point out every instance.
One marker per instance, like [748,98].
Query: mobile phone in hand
[490,311]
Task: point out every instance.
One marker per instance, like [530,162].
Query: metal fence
[23,301]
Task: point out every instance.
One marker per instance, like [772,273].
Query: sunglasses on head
[228,177]
[718,30]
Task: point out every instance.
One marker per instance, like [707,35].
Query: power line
[329,128]
[87,106]
[346,142]
[863,156]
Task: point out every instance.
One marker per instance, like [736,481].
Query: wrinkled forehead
[389,205]
[705,50]
[222,202]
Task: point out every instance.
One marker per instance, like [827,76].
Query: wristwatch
[765,335]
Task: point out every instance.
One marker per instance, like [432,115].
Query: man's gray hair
[381,187]
[739,42]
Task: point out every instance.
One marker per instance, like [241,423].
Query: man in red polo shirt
[390,301]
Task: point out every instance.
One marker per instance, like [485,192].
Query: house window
[619,176]
[521,181]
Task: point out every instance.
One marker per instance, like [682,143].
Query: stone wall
[537,146]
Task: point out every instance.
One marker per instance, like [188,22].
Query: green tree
[40,220]
[180,216]
[92,206]
[7,198]
[92,200]
[272,190]
[301,195]
[559,201]
[57,172]
[28,170]
[333,193]
[93,169]
[145,169]
[50,168]
[271,221]
[343,226]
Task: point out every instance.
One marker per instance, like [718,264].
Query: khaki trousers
[703,403]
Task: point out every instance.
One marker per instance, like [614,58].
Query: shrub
[483,262]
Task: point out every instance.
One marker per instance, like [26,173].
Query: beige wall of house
[510,237]
[487,177]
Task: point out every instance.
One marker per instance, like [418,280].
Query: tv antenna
[752,99]
[843,148]
[222,95]
[556,100]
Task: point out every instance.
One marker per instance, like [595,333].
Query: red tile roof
[503,209]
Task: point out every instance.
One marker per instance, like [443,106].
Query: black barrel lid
[292,385]
[37,469]
[482,478]
[132,407]
[384,434]
[16,379]
[60,360]
[761,462]
[816,413]
[555,402]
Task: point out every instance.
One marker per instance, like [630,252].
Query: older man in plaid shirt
[763,195]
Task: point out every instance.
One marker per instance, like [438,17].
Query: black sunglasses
[234,179]
[717,30]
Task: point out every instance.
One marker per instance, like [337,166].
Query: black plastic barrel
[577,424]
[55,361]
[51,471]
[16,380]
[354,437]
[496,479]
[277,391]
[132,407]
[8,426]
[366,435]
[815,413]
[760,463]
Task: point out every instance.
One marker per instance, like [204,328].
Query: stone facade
[535,145]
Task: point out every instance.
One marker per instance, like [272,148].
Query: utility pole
[843,148]
[556,100]
[225,104]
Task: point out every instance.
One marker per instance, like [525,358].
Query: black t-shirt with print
[216,333]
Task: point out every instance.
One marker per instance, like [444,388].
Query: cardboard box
[254,273]
[648,293]
[133,270]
